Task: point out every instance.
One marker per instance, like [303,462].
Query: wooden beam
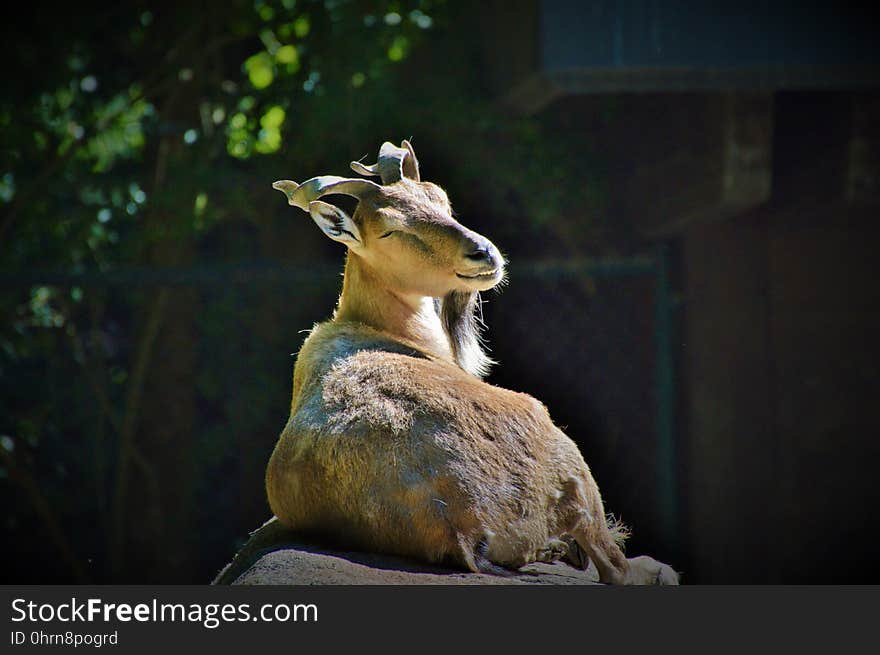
[710,164]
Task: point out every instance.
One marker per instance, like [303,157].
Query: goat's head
[402,229]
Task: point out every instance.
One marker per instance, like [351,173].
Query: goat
[394,443]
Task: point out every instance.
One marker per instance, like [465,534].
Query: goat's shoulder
[355,369]
[331,345]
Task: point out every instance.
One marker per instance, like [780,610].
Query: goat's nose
[482,252]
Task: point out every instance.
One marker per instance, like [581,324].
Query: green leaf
[287,54]
[273,118]
[398,48]
[238,121]
[268,141]
[260,71]
[201,202]
[301,27]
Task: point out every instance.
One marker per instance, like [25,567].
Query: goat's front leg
[553,551]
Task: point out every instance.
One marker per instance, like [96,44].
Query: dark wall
[769,206]
[781,357]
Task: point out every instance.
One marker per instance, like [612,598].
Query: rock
[275,556]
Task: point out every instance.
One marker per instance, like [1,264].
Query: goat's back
[408,454]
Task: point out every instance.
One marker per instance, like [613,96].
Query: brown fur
[394,443]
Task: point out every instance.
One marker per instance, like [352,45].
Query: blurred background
[687,193]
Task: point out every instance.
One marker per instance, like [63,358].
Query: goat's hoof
[553,551]
[648,571]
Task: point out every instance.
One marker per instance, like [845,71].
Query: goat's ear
[410,164]
[336,224]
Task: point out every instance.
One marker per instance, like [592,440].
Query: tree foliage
[145,136]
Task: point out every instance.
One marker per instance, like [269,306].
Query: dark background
[687,196]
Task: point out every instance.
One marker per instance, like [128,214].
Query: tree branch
[129,426]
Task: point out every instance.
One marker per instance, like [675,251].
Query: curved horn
[300,195]
[394,163]
[363,169]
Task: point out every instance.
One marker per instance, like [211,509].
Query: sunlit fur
[396,445]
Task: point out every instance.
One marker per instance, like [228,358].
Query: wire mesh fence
[200,406]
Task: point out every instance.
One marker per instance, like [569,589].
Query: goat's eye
[387,234]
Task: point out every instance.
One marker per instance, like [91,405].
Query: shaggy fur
[458,311]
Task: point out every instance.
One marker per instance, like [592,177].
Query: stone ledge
[274,556]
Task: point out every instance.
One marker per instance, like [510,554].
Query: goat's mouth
[482,281]
[485,276]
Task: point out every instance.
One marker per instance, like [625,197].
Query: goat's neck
[366,299]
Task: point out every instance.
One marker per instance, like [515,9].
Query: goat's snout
[481,253]
[482,265]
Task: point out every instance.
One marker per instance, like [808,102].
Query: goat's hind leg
[599,544]
[601,541]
